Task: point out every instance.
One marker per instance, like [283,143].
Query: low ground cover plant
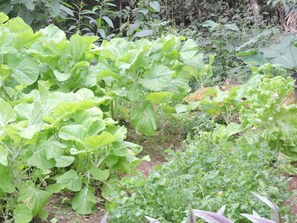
[210,173]
[223,164]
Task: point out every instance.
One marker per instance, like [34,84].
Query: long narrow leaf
[105,218]
[211,217]
[275,214]
[191,215]
[222,210]
[151,220]
[257,219]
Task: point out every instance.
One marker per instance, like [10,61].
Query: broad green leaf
[170,44]
[143,118]
[29,4]
[22,214]
[54,188]
[233,128]
[64,161]
[284,53]
[210,24]
[157,78]
[33,198]
[84,201]
[84,94]
[53,33]
[119,149]
[159,97]
[6,182]
[45,154]
[231,26]
[155,6]
[189,50]
[73,132]
[25,71]
[79,64]
[7,114]
[62,76]
[3,156]
[110,189]
[80,44]
[111,160]
[70,180]
[55,7]
[3,17]
[99,174]
[99,140]
[35,121]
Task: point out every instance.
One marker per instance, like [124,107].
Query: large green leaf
[157,78]
[284,53]
[100,140]
[45,154]
[84,201]
[25,71]
[33,198]
[3,17]
[22,214]
[6,182]
[3,156]
[70,180]
[143,118]
[99,174]
[159,97]
[7,114]
[73,132]
[80,44]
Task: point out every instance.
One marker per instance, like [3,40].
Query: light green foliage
[50,123]
[145,72]
[210,173]
[268,114]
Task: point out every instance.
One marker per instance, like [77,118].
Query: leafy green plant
[55,134]
[268,115]
[284,53]
[147,75]
[36,13]
[210,172]
[93,19]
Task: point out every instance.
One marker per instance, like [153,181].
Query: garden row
[60,104]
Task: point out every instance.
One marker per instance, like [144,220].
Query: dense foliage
[223,165]
[68,100]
